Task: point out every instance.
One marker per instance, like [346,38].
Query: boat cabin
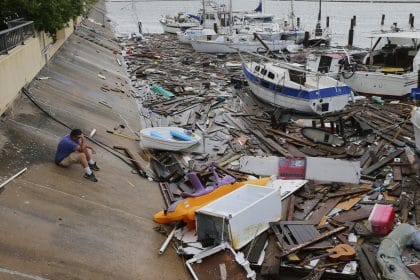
[396,52]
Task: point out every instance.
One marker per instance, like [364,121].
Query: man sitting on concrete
[74,149]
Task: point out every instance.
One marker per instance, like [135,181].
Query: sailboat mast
[230,17]
[292,15]
[318,28]
[319,13]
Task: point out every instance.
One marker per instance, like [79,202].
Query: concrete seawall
[22,64]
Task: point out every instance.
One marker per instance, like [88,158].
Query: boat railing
[17,32]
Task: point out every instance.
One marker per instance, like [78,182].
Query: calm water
[125,14]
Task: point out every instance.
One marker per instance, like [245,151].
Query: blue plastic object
[181,135]
[157,134]
[415,94]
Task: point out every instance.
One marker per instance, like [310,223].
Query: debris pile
[338,183]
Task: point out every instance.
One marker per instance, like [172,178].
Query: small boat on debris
[390,68]
[167,138]
[289,86]
[318,135]
[179,22]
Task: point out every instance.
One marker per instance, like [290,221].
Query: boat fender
[181,135]
[157,134]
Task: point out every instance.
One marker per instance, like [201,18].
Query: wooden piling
[306,39]
[298,22]
[328,22]
[351,34]
[354,21]
[383,19]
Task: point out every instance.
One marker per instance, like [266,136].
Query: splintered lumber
[291,137]
[323,210]
[362,189]
[382,162]
[354,215]
[291,208]
[136,165]
[271,264]
[271,143]
[365,267]
[316,239]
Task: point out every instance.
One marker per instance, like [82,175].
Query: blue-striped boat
[289,86]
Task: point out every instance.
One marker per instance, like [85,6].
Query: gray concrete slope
[55,224]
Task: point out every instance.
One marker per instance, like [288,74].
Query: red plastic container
[292,168]
[381,219]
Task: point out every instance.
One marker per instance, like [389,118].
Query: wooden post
[383,19]
[354,20]
[298,22]
[306,39]
[328,22]
[351,34]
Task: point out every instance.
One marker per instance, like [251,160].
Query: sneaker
[94,167]
[91,177]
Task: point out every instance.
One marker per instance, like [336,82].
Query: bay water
[124,15]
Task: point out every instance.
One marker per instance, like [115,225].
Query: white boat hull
[311,106]
[323,101]
[174,28]
[377,83]
[247,46]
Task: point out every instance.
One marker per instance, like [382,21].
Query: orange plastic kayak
[185,210]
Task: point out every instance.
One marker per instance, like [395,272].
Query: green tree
[48,15]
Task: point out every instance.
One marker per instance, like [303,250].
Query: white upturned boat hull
[376,83]
[233,47]
[168,143]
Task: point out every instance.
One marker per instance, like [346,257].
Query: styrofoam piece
[287,187]
[239,216]
[332,170]
[263,166]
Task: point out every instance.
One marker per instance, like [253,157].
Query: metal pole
[13,177]
[167,241]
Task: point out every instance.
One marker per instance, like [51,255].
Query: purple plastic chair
[200,190]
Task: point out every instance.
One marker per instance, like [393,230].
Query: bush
[48,15]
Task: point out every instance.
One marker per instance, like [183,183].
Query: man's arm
[83,145]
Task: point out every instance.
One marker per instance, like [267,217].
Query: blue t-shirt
[65,148]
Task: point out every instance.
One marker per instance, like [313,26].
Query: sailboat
[289,86]
[320,36]
[180,22]
[236,41]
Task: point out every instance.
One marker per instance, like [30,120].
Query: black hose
[99,143]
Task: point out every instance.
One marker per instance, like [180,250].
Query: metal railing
[19,30]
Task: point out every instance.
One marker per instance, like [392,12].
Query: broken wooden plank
[354,215]
[382,162]
[291,137]
[291,208]
[271,263]
[323,210]
[315,240]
